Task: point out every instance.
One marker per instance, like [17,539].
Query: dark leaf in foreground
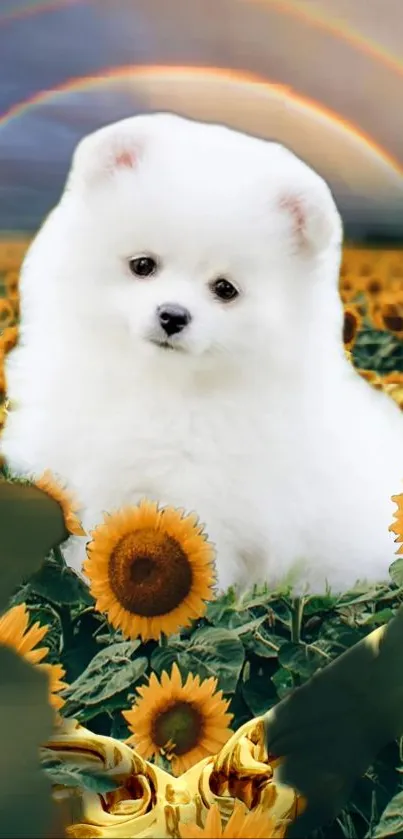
[26,807]
[31,523]
[331,729]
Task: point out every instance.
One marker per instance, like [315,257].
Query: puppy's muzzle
[173,318]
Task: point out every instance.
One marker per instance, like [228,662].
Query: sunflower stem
[297,611]
[58,555]
[66,625]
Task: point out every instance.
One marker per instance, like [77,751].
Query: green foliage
[59,584]
[259,647]
[103,685]
[378,351]
[210,651]
[391,821]
[71,775]
[396,571]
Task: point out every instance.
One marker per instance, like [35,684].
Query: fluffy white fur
[254,419]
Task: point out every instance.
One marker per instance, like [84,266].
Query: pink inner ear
[126,159]
[295,207]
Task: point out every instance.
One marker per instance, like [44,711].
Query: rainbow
[110,76]
[293,8]
[32,9]
[319,19]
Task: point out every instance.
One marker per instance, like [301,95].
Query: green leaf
[335,636]
[300,659]
[80,640]
[211,651]
[283,682]
[264,643]
[317,605]
[396,572]
[258,689]
[111,705]
[391,821]
[68,774]
[111,671]
[379,618]
[360,594]
[246,629]
[60,585]
[217,608]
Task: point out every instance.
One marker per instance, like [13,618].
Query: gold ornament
[149,802]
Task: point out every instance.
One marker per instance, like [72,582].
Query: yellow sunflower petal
[253,824]
[397,526]
[14,632]
[243,824]
[49,485]
[55,673]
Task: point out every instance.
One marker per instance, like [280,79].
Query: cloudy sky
[324,77]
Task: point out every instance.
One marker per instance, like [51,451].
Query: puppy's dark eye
[143,266]
[224,290]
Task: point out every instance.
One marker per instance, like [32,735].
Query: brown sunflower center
[149,573]
[181,725]
[393,321]
[350,327]
[374,286]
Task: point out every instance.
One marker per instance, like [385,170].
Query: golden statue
[149,802]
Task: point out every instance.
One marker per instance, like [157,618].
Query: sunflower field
[176,685]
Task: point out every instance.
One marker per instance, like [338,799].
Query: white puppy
[181,340]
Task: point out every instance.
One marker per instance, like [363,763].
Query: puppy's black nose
[173,318]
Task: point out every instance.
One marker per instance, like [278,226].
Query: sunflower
[349,287]
[394,378]
[12,254]
[185,722]
[374,286]
[2,378]
[397,526]
[11,283]
[389,315]
[243,824]
[150,570]
[392,384]
[55,673]
[49,485]
[395,283]
[397,395]
[3,414]
[351,326]
[8,339]
[14,633]
[6,313]
[371,377]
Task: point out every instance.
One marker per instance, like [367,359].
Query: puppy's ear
[315,223]
[103,154]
